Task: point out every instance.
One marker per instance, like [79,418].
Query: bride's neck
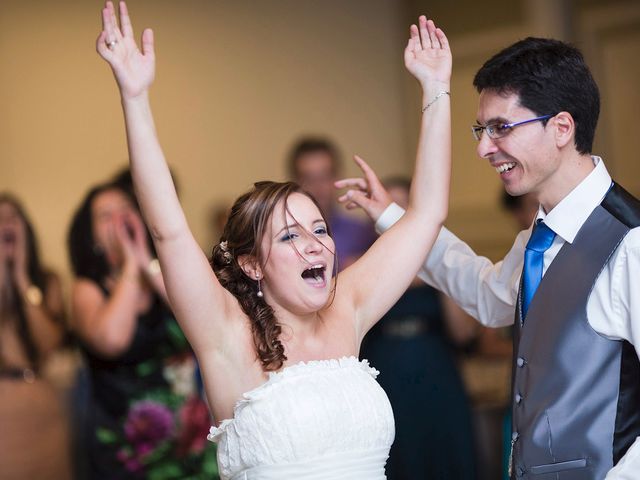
[298,328]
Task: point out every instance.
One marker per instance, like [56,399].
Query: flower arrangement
[164,434]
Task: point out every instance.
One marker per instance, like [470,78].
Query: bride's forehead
[298,207]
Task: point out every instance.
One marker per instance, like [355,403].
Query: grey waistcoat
[576,394]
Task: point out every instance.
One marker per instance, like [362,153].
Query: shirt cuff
[391,215]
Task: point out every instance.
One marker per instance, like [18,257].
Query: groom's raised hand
[367,193]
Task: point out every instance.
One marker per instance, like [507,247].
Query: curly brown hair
[248,220]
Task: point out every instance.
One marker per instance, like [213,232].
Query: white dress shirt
[488,291]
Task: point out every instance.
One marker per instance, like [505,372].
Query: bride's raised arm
[384,272]
[199,302]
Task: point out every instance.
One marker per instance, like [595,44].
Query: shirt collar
[569,215]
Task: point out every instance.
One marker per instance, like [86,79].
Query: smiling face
[526,159]
[298,257]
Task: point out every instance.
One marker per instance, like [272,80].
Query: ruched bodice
[324,419]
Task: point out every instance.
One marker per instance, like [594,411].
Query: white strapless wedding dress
[319,420]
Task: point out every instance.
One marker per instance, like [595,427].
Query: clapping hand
[14,254]
[139,239]
[125,243]
[134,69]
[21,256]
[7,255]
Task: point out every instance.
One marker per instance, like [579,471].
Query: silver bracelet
[443,92]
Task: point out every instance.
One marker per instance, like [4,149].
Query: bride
[276,333]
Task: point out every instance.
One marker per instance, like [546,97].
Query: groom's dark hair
[550,77]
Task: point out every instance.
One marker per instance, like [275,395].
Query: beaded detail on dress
[317,419]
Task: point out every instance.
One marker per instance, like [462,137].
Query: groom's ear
[565,129]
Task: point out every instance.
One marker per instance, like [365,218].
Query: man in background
[315,163]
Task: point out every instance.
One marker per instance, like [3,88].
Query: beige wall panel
[611,37]
[622,105]
[236,82]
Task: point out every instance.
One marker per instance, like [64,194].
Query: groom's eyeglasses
[499,130]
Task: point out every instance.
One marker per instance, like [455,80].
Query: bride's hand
[427,55]
[134,69]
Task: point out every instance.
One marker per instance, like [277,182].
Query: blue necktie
[540,241]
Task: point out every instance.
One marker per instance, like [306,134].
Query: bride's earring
[259,294]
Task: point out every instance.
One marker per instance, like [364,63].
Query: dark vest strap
[628,411]
[626,208]
[622,205]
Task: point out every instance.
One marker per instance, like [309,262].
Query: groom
[570,283]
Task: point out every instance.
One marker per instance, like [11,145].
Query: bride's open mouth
[315,275]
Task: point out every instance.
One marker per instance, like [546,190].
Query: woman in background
[145,418]
[34,434]
[414,345]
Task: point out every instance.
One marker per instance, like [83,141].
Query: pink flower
[133,465]
[143,449]
[132,462]
[123,455]
[194,426]
[148,424]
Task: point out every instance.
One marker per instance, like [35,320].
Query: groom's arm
[485,290]
[628,466]
[622,300]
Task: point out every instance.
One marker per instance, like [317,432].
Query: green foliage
[177,336]
[144,369]
[106,436]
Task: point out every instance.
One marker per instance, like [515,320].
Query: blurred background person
[414,347]
[123,180]
[144,417]
[522,208]
[496,342]
[315,164]
[34,440]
